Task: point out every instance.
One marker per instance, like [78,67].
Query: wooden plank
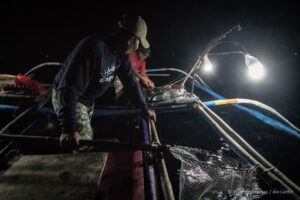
[48,177]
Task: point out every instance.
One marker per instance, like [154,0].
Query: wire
[42,65]
[177,70]
[203,83]
[225,53]
[235,44]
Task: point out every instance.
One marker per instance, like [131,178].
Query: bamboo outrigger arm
[96,145]
[39,102]
[163,173]
[247,150]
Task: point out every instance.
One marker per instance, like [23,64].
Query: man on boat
[88,72]
[138,64]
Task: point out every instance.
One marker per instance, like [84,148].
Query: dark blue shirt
[87,73]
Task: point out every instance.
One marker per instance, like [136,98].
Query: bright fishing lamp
[207,65]
[255,68]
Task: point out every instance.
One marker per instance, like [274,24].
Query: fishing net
[204,175]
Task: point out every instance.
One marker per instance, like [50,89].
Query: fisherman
[88,72]
[138,64]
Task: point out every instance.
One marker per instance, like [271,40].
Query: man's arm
[132,87]
[127,77]
[77,75]
[144,78]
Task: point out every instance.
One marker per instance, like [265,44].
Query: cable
[225,53]
[173,69]
[42,65]
[203,83]
[235,44]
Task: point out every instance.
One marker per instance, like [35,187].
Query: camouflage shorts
[83,116]
[118,85]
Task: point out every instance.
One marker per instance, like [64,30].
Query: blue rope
[276,124]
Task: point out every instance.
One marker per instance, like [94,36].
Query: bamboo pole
[40,102]
[98,145]
[248,150]
[107,145]
[164,177]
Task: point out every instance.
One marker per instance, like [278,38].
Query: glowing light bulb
[207,65]
[255,68]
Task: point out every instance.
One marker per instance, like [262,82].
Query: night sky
[33,33]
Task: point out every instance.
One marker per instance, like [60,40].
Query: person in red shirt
[138,64]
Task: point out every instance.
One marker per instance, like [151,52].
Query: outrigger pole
[39,102]
[161,164]
[244,149]
[96,145]
[151,192]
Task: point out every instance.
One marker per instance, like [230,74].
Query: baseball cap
[144,51]
[135,26]
[140,31]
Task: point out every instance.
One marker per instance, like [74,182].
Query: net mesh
[204,175]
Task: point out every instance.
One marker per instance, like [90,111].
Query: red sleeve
[132,57]
[133,60]
[143,67]
[137,64]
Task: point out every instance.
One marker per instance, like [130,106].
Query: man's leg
[83,116]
